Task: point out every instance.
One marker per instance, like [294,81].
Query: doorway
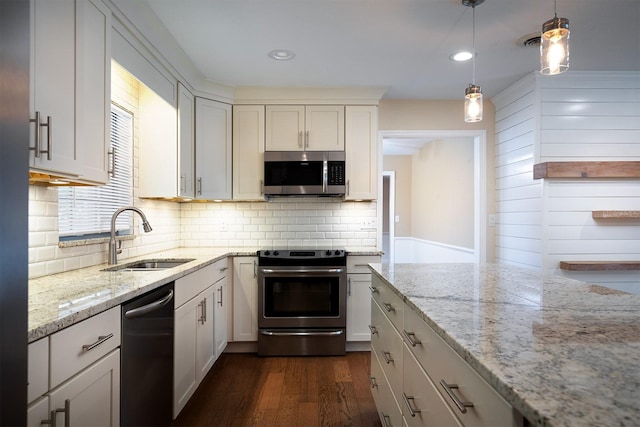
[408,139]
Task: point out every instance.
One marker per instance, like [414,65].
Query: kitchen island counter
[560,351]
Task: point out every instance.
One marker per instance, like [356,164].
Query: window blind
[85,212]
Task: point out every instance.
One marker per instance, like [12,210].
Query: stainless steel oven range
[302,302]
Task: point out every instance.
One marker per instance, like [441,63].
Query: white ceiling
[401,45]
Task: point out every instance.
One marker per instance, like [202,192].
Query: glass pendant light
[473,93]
[554,46]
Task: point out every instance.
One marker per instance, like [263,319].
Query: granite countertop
[60,300]
[560,351]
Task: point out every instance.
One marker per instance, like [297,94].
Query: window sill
[94,241]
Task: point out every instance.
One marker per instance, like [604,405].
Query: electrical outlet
[224,226]
[397,218]
[492,220]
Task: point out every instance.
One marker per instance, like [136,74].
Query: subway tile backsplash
[312,222]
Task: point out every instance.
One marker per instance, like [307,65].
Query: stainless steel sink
[149,265]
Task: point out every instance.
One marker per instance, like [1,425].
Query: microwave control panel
[336,174]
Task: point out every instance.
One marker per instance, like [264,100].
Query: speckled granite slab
[562,352]
[60,300]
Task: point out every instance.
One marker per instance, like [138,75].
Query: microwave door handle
[324,175]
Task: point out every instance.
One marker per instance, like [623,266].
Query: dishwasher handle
[149,308]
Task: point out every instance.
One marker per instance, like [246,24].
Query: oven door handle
[300,333]
[302,270]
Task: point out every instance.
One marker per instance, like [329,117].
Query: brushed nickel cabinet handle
[306,139]
[411,337]
[67,415]
[413,411]
[36,148]
[374,290]
[387,420]
[49,126]
[373,329]
[388,307]
[387,357]
[462,406]
[372,381]
[101,339]
[200,186]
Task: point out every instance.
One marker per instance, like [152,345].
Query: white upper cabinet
[213,150]
[361,152]
[70,89]
[248,152]
[305,128]
[186,142]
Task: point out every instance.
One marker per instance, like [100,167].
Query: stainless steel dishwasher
[146,389]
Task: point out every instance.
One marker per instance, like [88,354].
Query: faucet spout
[113,250]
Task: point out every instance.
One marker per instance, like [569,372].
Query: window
[85,212]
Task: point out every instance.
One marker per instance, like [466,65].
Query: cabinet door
[186,141]
[284,127]
[248,152]
[358,307]
[220,316]
[93,395]
[185,376]
[93,89]
[422,404]
[205,353]
[38,411]
[53,84]
[213,150]
[361,151]
[245,299]
[324,128]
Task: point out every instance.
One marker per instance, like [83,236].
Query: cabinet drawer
[421,403]
[78,346]
[443,364]
[386,404]
[388,300]
[359,264]
[192,284]
[386,343]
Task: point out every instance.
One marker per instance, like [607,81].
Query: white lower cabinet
[83,364]
[358,306]
[430,382]
[195,327]
[386,404]
[245,299]
[91,398]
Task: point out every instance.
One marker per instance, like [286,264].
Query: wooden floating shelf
[599,265]
[615,214]
[622,169]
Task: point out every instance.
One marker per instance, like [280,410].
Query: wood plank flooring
[247,390]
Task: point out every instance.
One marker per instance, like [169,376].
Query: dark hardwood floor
[247,390]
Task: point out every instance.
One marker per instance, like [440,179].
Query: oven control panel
[307,257]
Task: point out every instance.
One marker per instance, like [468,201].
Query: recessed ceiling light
[461,56]
[281,54]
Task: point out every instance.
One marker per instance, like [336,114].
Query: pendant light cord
[473,46]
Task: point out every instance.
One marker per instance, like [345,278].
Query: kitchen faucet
[113,250]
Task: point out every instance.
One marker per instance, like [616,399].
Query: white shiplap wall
[577,116]
[518,198]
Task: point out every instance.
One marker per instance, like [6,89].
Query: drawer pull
[101,339]
[413,411]
[67,415]
[224,269]
[373,329]
[462,406]
[388,307]
[411,337]
[387,420]
[374,290]
[387,357]
[372,381]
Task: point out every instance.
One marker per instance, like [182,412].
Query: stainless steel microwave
[289,173]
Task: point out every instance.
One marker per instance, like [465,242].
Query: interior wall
[442,192]
[402,166]
[411,115]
